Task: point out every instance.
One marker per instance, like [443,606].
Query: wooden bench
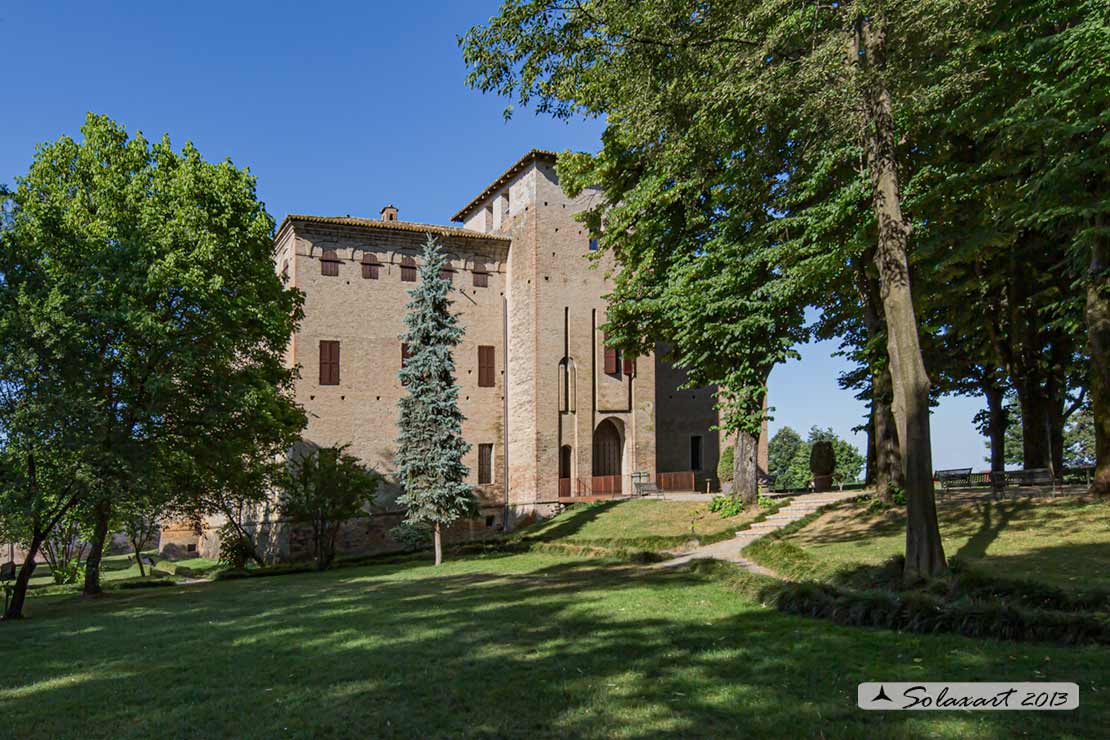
[1030,477]
[952,478]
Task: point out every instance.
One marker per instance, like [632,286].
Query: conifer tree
[431,447]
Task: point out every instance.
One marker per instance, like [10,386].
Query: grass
[1060,542]
[117,570]
[498,645]
[646,524]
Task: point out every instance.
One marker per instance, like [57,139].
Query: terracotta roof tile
[507,175]
[370,223]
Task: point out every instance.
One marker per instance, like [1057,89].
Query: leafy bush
[725,464]
[236,549]
[412,536]
[326,487]
[766,502]
[726,506]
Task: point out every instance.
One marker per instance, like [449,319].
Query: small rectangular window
[485,464]
[481,279]
[485,366]
[490,521]
[408,270]
[370,267]
[630,366]
[329,362]
[405,354]
[695,452]
[329,263]
[612,357]
[593,245]
[447,274]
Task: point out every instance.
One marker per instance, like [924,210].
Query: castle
[552,413]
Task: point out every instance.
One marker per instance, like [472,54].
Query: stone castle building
[552,413]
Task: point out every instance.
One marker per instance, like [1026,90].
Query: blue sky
[338,108]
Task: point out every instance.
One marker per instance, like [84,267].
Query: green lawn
[1063,542]
[500,645]
[116,569]
[639,524]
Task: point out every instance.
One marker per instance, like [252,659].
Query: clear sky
[337,108]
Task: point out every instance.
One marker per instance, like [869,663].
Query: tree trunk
[745,478]
[137,548]
[870,471]
[19,590]
[888,455]
[1098,346]
[996,425]
[1035,447]
[103,513]
[438,544]
[924,551]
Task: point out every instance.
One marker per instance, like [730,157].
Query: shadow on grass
[514,648]
[569,523]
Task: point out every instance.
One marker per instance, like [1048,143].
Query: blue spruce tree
[431,447]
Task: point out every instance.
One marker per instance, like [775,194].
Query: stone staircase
[799,506]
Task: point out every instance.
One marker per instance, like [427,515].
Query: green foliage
[325,487]
[143,329]
[822,458]
[725,464]
[431,446]
[797,474]
[412,535]
[780,454]
[726,506]
[237,550]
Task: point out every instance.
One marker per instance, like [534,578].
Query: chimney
[389,213]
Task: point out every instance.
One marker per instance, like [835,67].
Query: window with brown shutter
[370,266]
[485,367]
[405,354]
[630,366]
[447,274]
[612,359]
[329,263]
[408,270]
[485,464]
[329,362]
[481,275]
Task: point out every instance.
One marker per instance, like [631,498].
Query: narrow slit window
[485,464]
[486,366]
[329,362]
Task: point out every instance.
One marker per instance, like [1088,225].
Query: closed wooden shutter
[405,355]
[481,275]
[329,362]
[485,367]
[630,366]
[485,464]
[329,263]
[447,274]
[612,364]
[370,266]
[408,270]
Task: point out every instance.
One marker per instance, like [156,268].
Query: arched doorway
[607,449]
